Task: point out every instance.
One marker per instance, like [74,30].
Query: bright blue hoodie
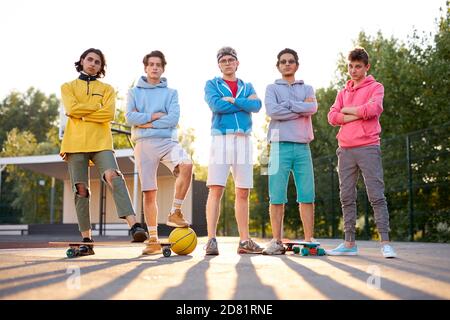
[228,117]
[146,99]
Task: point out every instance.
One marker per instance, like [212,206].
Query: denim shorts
[287,157]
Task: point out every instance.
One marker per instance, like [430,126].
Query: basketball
[184,240]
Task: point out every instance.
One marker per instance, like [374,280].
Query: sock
[153,232]
[177,203]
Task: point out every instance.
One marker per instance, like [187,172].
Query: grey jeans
[367,160]
[78,164]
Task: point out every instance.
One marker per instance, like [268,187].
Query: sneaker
[176,220]
[152,246]
[388,251]
[138,233]
[86,250]
[341,250]
[211,247]
[249,246]
[274,247]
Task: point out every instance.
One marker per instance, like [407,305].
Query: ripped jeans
[78,165]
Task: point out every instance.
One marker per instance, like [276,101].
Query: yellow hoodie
[90,107]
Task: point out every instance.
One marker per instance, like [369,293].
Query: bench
[14,229]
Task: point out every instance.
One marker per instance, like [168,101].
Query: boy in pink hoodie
[357,111]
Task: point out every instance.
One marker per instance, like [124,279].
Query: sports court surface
[29,269]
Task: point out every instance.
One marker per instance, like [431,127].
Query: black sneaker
[138,233]
[86,250]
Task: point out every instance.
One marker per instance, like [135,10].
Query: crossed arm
[155,116]
[350,114]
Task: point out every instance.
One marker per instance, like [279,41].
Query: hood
[366,82]
[142,83]
[284,82]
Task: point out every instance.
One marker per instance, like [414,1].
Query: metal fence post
[333,212]
[410,189]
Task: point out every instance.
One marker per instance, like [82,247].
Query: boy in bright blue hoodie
[232,102]
[153,112]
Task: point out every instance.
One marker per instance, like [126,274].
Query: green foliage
[32,111]
[31,191]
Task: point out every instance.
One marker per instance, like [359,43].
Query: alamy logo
[374,281]
[73,282]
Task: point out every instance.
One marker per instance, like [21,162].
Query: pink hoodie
[368,98]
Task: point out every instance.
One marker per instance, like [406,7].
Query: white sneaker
[388,251]
[274,247]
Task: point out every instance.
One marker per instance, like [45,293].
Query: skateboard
[165,247]
[75,251]
[304,248]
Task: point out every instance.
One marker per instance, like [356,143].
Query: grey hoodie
[290,116]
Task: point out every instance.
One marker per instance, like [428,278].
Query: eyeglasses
[227,61]
[291,61]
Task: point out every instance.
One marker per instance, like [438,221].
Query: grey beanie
[226,51]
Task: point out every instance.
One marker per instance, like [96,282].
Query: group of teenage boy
[153,113]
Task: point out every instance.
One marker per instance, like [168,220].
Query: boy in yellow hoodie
[90,107]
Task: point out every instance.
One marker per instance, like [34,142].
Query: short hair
[226,51]
[102,71]
[359,54]
[287,50]
[157,54]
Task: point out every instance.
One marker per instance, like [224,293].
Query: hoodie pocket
[351,131]
[371,127]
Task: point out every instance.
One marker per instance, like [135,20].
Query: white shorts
[148,153]
[235,151]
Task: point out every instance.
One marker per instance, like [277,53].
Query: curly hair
[102,71]
[359,54]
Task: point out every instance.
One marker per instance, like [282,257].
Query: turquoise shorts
[284,158]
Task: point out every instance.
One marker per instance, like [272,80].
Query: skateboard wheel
[166,252]
[305,251]
[71,252]
[296,249]
[321,252]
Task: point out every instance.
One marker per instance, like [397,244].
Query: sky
[40,41]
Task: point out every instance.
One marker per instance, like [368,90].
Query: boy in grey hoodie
[290,105]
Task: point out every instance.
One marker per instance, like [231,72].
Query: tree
[31,190]
[32,111]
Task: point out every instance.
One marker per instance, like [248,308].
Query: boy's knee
[150,195]
[242,193]
[82,190]
[111,174]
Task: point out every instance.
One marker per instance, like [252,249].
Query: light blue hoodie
[228,117]
[146,99]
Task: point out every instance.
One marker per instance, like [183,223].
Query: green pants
[78,164]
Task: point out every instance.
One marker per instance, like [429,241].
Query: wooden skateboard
[304,248]
[165,247]
[74,247]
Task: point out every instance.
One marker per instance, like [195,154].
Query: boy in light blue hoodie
[153,111]
[232,101]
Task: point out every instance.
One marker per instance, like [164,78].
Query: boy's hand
[253,97]
[350,118]
[310,99]
[157,115]
[228,99]
[349,110]
[145,125]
